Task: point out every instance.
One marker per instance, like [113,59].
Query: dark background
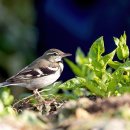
[68,24]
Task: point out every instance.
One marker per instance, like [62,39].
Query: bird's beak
[66,54]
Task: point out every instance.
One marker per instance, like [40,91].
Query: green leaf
[82,83]
[10,110]
[125,66]
[122,48]
[124,89]
[80,56]
[119,53]
[1,107]
[94,88]
[123,39]
[97,49]
[116,40]
[106,59]
[114,64]
[76,70]
[122,52]
[5,96]
[117,76]
[125,52]
[73,83]
[84,70]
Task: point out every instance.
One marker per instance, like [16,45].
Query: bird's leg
[38,95]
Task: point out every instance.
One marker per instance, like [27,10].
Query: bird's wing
[32,71]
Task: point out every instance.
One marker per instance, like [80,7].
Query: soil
[82,114]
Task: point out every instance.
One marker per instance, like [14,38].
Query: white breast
[61,66]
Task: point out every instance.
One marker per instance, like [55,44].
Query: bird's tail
[4,84]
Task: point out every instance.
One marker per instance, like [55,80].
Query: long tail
[4,84]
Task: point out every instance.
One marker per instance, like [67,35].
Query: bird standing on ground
[40,73]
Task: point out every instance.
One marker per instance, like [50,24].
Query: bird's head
[55,55]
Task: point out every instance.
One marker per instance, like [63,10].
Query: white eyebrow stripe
[50,53]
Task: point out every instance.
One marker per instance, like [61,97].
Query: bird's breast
[61,66]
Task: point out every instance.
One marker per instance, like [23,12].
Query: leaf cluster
[6,99]
[100,73]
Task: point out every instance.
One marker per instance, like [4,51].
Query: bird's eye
[55,54]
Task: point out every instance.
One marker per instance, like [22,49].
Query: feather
[30,74]
[4,84]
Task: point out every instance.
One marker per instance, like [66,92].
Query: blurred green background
[17,37]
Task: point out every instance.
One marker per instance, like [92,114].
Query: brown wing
[31,72]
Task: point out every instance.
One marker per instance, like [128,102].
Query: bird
[42,72]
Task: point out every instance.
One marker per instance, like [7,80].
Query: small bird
[40,73]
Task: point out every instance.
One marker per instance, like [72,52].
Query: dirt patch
[83,114]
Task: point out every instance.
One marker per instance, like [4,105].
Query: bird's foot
[38,96]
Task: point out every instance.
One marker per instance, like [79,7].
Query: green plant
[17,35]
[99,73]
[6,99]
